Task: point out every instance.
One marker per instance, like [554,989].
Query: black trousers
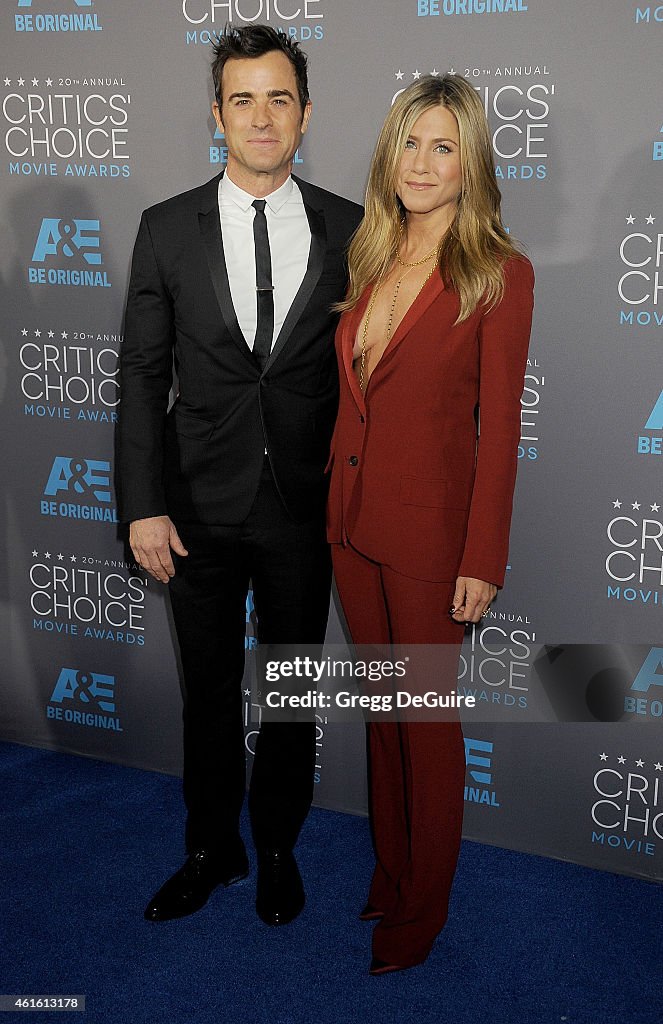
[290,567]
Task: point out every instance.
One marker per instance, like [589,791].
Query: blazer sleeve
[504,335]
[146,374]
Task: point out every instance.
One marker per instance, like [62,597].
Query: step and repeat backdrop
[106,110]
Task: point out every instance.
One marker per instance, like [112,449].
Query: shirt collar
[228,190]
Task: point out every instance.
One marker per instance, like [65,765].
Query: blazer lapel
[432,289]
[210,229]
[316,258]
[428,294]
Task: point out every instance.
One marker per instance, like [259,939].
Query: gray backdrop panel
[106,110]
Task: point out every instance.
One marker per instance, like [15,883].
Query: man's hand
[151,541]
[472,599]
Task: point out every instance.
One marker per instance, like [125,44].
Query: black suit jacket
[201,462]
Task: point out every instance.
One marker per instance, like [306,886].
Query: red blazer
[413,485]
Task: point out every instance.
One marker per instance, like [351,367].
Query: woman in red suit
[432,350]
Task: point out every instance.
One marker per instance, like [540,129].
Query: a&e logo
[69,238]
[77,240]
[478,758]
[653,445]
[641,701]
[84,698]
[79,478]
[81,19]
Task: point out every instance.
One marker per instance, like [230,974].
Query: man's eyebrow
[270,92]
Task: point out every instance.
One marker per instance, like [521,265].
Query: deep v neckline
[411,314]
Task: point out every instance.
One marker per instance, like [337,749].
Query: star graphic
[617,504]
[21,81]
[247,693]
[34,554]
[650,219]
[49,81]
[658,766]
[72,558]
[399,75]
[8,81]
[65,335]
[47,554]
[655,507]
[37,334]
[24,332]
[635,505]
[435,73]
[621,760]
[604,757]
[416,74]
[60,557]
[51,334]
[640,763]
[630,219]
[35,81]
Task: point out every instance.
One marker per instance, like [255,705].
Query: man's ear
[216,113]
[306,117]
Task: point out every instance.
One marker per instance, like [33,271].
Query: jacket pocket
[426,493]
[193,426]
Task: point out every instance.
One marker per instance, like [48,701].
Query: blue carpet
[529,941]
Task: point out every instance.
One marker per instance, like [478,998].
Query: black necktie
[264,290]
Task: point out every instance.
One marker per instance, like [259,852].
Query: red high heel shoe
[370,913]
[382,967]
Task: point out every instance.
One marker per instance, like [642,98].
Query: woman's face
[429,178]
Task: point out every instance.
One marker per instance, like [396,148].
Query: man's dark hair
[255,41]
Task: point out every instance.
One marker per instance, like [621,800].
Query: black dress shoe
[189,888]
[280,894]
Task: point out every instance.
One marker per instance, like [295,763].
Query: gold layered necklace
[390,319]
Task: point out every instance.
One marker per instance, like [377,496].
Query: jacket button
[361,418]
[353,460]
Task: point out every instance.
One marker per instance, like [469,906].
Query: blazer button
[353,460]
[361,418]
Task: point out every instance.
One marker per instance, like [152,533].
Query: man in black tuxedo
[235,281]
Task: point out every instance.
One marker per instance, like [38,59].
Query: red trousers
[416,769]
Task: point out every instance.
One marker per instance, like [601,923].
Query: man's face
[262,120]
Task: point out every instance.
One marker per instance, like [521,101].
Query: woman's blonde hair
[475,247]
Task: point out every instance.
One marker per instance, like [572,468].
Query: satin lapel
[316,258]
[348,334]
[210,229]
[428,294]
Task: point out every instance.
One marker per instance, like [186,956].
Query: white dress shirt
[289,245]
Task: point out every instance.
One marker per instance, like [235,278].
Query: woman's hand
[472,599]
